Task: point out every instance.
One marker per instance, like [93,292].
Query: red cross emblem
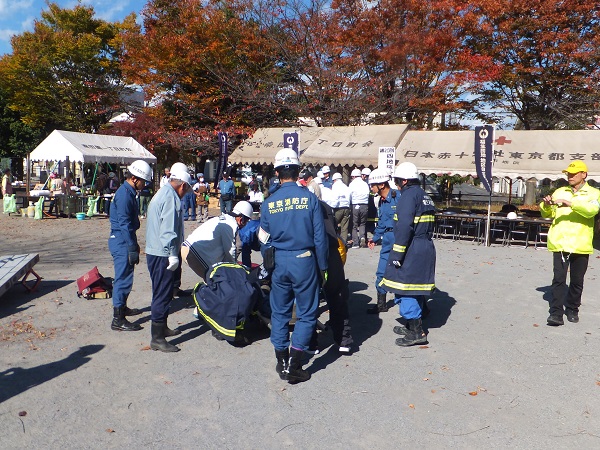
[502,140]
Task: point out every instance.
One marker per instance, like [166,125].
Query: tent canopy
[322,145]
[90,148]
[519,154]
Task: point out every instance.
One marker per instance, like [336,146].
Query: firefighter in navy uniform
[410,272]
[291,223]
[384,231]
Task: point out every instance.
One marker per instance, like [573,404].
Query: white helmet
[366,171]
[243,208]
[355,173]
[406,171]
[179,171]
[336,176]
[140,169]
[325,169]
[286,157]
[379,176]
[179,167]
[320,174]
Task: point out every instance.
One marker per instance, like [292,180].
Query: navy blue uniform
[124,222]
[414,252]
[384,232]
[292,222]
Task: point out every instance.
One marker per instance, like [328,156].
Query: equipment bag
[227,299]
[93,285]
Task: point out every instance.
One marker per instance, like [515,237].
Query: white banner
[387,159]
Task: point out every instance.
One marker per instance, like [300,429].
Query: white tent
[90,148]
[519,154]
[322,145]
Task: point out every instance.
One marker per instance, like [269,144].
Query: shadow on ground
[17,380]
[14,300]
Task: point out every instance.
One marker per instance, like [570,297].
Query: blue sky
[17,16]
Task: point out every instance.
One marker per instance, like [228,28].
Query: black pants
[565,295]
[162,287]
[336,295]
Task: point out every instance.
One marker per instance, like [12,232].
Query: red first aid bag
[91,284]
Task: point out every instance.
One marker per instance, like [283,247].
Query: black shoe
[158,341]
[180,293]
[414,336]
[282,357]
[572,315]
[401,330]
[380,307]
[555,320]
[294,372]
[120,323]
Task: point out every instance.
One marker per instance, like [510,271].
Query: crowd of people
[300,234]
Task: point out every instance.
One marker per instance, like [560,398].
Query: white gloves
[173,263]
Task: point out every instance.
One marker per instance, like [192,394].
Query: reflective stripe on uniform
[399,248]
[219,328]
[405,286]
[425,218]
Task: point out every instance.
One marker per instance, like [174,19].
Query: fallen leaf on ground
[411,406]
[110,430]
[433,391]
[424,346]
[22,413]
[425,379]
[535,325]
[147,347]
[474,393]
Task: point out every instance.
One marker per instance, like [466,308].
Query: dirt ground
[493,374]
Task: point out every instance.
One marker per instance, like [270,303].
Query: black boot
[169,332]
[381,305]
[282,362]
[158,341]
[414,336]
[294,372]
[120,323]
[401,329]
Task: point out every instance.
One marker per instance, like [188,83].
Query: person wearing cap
[164,236]
[384,231]
[341,194]
[202,189]
[227,190]
[572,209]
[327,181]
[292,226]
[216,240]
[122,243]
[359,203]
[410,270]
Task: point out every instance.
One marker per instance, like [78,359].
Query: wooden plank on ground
[14,267]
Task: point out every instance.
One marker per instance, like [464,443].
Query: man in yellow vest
[572,209]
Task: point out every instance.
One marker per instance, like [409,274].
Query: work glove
[323,277]
[133,258]
[173,263]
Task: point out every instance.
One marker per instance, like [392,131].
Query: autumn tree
[547,58]
[16,138]
[209,68]
[66,72]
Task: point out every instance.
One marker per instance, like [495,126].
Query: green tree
[16,138]
[66,72]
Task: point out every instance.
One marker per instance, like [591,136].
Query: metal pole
[488,225]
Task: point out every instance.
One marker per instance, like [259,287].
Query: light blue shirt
[164,226]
